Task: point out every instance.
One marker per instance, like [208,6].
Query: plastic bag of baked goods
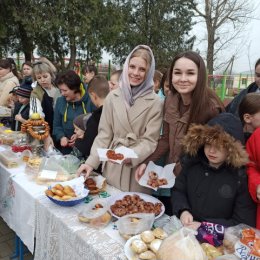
[55,169]
[133,224]
[181,245]
[231,236]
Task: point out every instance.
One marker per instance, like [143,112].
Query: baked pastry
[131,204]
[147,236]
[138,246]
[112,155]
[155,245]
[160,233]
[147,255]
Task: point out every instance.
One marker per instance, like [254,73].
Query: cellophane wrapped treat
[211,233]
[133,224]
[242,241]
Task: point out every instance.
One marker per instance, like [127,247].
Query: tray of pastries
[133,202]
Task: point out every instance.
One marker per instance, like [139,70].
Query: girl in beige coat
[7,81]
[132,117]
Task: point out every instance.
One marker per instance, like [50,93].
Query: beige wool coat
[7,83]
[138,129]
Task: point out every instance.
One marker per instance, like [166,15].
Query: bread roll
[138,246]
[147,236]
[147,255]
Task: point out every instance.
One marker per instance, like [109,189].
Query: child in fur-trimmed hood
[212,185]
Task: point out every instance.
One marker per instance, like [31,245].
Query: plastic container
[96,214]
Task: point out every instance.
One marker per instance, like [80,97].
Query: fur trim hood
[219,133]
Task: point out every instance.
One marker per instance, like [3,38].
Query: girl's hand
[48,142]
[64,141]
[140,171]
[194,225]
[127,162]
[186,218]
[19,118]
[84,170]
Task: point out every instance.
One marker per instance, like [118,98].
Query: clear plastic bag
[181,245]
[133,224]
[231,236]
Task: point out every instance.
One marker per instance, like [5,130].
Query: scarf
[131,94]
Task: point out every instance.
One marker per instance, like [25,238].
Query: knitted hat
[230,124]
[25,89]
[14,90]
[81,121]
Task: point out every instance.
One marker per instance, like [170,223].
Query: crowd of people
[170,117]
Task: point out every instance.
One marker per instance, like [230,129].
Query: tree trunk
[210,53]
[73,52]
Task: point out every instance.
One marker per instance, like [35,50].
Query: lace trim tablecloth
[60,235]
[17,202]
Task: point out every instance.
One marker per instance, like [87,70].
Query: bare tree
[225,20]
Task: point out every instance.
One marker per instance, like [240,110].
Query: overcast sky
[249,45]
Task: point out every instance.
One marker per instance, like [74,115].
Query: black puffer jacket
[218,195]
[233,106]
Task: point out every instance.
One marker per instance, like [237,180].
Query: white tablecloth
[60,235]
[18,197]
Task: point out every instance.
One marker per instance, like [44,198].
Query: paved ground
[7,242]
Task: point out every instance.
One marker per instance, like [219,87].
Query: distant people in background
[232,107]
[131,117]
[157,81]
[249,113]
[72,103]
[22,107]
[7,81]
[165,85]
[27,70]
[14,69]
[114,79]
[45,93]
[98,90]
[88,71]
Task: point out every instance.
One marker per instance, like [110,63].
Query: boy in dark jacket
[98,89]
[22,107]
[212,185]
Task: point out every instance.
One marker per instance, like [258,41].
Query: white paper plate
[163,172]
[145,197]
[127,248]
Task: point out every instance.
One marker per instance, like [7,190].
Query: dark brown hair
[5,64]
[250,104]
[257,63]
[71,79]
[99,85]
[28,63]
[202,96]
[89,68]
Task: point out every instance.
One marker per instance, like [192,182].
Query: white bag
[181,245]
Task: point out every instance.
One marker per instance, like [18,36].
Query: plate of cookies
[67,194]
[126,203]
[145,245]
